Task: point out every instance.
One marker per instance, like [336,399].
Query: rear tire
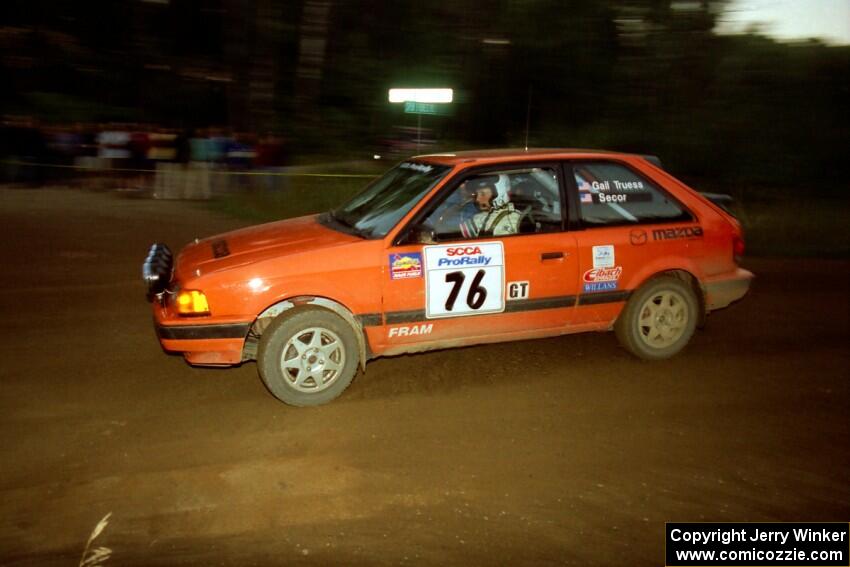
[659,319]
[308,357]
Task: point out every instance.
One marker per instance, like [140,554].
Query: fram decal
[518,290]
[411,330]
[406,265]
[677,233]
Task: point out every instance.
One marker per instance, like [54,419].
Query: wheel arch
[693,282]
[296,304]
[688,278]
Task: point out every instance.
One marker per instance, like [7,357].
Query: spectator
[113,145]
[163,145]
[269,151]
[240,152]
[200,149]
[219,141]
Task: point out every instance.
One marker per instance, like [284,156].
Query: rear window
[611,193]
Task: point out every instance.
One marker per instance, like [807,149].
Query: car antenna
[527,116]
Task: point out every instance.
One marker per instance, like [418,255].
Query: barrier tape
[211,171]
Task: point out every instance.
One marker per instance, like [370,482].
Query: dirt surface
[557,451]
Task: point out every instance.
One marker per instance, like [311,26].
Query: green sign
[411,107]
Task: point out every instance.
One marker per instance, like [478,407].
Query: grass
[287,197]
[98,555]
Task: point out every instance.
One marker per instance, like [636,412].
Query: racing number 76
[477,294]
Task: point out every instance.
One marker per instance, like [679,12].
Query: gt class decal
[602,279]
[466,279]
[518,290]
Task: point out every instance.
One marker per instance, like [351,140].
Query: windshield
[378,208]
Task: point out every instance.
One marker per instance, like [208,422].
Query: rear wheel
[308,357]
[659,319]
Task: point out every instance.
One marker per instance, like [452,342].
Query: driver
[494,214]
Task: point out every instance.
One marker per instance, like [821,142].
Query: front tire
[659,319]
[308,357]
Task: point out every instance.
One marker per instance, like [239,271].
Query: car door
[516,276]
[620,210]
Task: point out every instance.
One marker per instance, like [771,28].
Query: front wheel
[659,319]
[308,358]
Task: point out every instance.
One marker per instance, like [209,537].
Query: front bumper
[206,344]
[723,290]
[202,332]
[201,342]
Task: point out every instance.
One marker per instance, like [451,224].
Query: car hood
[257,243]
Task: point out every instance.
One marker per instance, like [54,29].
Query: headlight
[192,302]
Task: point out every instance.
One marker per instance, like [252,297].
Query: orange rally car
[450,250]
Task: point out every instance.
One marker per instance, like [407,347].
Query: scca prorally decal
[406,265]
[677,233]
[411,330]
[464,279]
[602,279]
[464,256]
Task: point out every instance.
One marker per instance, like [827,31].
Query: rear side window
[611,193]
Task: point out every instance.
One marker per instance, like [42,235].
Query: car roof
[510,154]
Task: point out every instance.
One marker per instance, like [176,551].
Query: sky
[791,19]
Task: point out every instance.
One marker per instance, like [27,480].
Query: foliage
[650,76]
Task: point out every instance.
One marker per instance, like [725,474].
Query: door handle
[551,255]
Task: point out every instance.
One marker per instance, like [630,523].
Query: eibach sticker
[602,279]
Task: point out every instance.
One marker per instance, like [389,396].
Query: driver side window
[500,203]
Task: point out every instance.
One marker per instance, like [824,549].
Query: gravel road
[557,451]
